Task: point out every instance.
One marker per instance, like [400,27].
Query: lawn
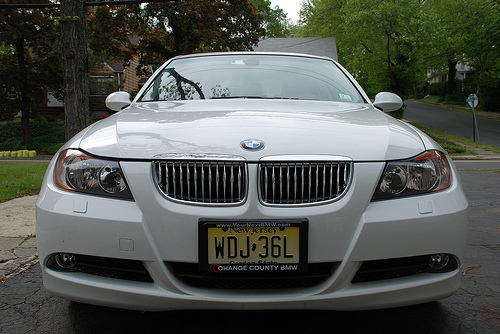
[453,144]
[20,179]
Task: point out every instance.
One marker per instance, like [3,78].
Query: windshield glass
[252,76]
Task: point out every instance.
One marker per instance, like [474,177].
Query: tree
[379,41]
[451,44]
[275,21]
[482,41]
[392,44]
[29,61]
[31,56]
[173,28]
[75,60]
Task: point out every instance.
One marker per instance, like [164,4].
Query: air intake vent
[299,183]
[208,182]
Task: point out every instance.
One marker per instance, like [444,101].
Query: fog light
[438,261]
[111,180]
[65,260]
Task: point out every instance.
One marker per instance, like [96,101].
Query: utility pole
[75,62]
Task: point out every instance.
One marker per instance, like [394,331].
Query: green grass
[442,138]
[431,99]
[437,101]
[20,179]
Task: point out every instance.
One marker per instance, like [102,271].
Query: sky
[291,7]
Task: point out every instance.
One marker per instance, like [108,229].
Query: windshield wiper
[180,79]
[237,97]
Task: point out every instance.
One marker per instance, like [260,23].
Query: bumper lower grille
[129,270]
[189,274]
[211,182]
[288,183]
[379,270]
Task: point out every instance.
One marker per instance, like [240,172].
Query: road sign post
[473,101]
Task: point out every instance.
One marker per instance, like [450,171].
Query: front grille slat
[196,178]
[188,183]
[295,182]
[231,182]
[202,182]
[288,183]
[224,183]
[240,178]
[209,182]
[302,183]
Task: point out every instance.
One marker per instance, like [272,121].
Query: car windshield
[252,76]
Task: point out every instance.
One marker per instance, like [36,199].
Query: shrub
[47,137]
[437,89]
[490,94]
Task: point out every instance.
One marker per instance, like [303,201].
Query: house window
[102,85]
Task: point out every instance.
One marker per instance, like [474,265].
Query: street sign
[472,100]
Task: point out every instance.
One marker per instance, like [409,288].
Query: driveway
[26,307]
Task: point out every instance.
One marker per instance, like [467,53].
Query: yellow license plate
[253,247]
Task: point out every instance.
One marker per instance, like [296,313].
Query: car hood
[147,130]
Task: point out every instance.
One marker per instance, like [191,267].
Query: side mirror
[118,100]
[387,102]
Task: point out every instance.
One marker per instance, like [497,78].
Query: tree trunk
[25,104]
[482,73]
[452,83]
[75,62]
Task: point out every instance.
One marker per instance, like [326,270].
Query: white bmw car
[251,181]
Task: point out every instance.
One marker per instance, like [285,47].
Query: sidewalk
[17,236]
[481,155]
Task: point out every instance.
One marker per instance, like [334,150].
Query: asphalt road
[25,306]
[453,122]
[478,164]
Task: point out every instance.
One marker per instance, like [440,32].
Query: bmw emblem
[252,144]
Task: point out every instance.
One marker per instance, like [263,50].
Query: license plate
[253,246]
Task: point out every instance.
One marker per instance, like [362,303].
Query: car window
[249,76]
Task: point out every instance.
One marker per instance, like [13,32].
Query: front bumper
[155,231]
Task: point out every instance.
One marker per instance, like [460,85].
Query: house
[463,70]
[319,46]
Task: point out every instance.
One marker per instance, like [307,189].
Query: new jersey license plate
[253,246]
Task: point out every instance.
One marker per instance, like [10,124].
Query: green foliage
[275,21]
[167,29]
[457,140]
[468,33]
[20,179]
[47,137]
[59,19]
[30,62]
[490,97]
[450,146]
[378,41]
[392,44]
[437,89]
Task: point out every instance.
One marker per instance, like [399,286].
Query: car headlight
[429,172]
[77,171]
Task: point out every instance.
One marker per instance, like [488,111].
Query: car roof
[251,53]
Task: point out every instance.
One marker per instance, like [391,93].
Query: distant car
[251,181]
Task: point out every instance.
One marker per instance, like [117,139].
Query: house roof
[116,67]
[318,46]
